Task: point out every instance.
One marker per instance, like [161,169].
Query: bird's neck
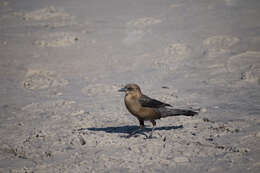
[132,104]
[135,95]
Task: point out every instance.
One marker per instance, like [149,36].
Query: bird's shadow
[128,129]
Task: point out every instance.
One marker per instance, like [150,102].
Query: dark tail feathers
[165,112]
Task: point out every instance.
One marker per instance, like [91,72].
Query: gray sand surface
[62,62]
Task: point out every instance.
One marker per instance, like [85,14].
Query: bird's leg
[154,124]
[140,128]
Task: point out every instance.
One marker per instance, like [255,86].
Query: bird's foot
[135,134]
[150,136]
[130,135]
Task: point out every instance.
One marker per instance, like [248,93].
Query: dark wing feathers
[149,102]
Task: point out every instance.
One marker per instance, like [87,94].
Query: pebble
[203,110]
[80,112]
[181,159]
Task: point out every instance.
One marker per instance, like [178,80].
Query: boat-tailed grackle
[145,108]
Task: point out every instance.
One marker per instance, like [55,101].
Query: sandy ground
[62,63]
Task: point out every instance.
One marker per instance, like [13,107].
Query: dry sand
[63,61]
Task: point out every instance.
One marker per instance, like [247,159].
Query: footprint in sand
[44,14]
[136,29]
[246,66]
[57,106]
[51,17]
[59,39]
[41,79]
[219,45]
[177,50]
[133,37]
[173,54]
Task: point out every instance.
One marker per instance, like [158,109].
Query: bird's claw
[129,136]
[134,134]
[150,137]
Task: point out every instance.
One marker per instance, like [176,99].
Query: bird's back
[153,103]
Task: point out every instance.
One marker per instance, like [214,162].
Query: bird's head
[132,89]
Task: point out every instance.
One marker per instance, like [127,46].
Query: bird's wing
[149,102]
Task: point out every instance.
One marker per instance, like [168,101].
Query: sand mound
[59,39]
[45,14]
[41,79]
[219,45]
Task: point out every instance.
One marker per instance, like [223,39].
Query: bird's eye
[130,89]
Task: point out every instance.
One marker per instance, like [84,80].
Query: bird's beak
[122,90]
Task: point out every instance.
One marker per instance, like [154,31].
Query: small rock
[80,112]
[165,87]
[207,120]
[48,153]
[20,124]
[166,162]
[59,94]
[209,139]
[236,130]
[181,159]
[203,110]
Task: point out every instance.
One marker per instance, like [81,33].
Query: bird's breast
[132,106]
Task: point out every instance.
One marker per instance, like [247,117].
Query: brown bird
[145,108]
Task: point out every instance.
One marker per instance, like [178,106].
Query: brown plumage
[145,108]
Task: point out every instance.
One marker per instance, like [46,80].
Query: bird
[145,108]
